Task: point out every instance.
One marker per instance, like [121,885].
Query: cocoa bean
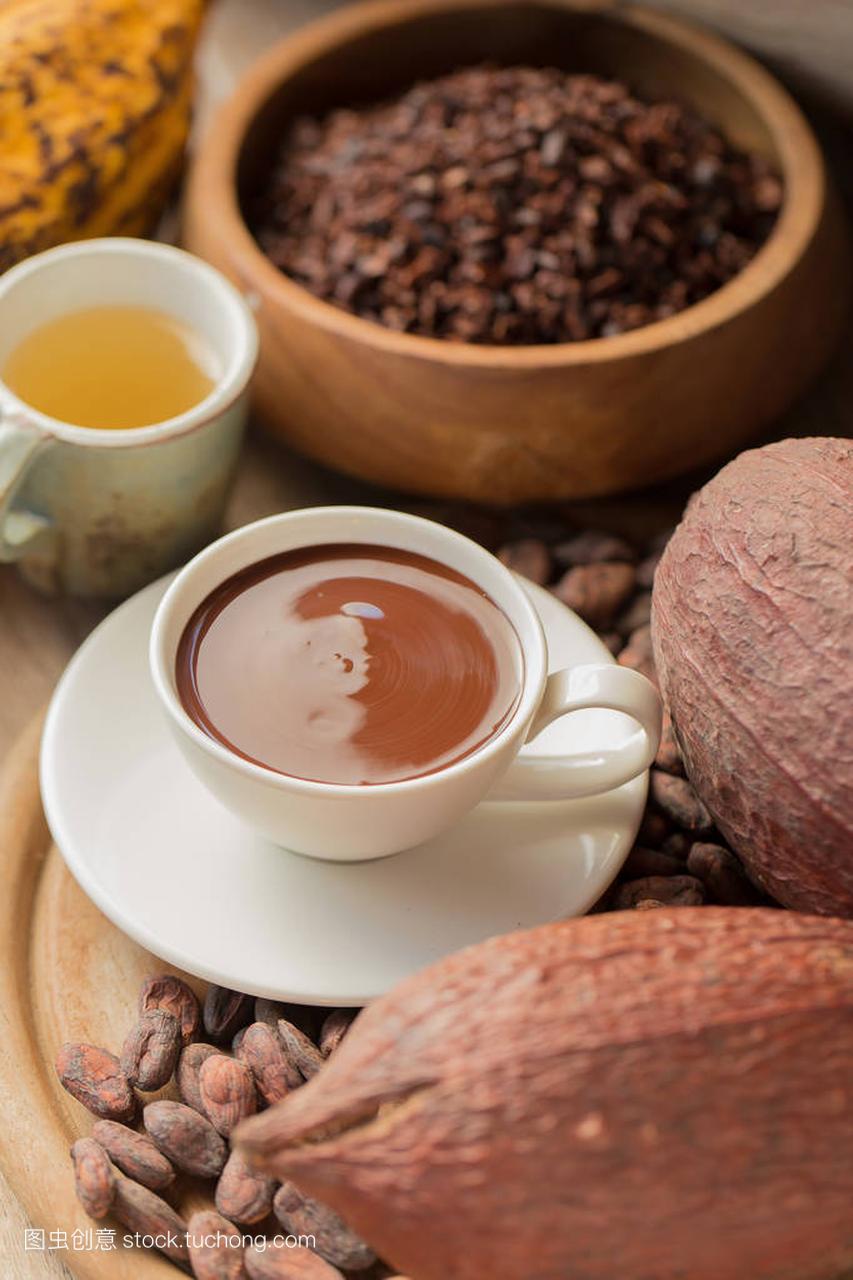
[648,904]
[529,557]
[146,1214]
[638,654]
[134,1154]
[94,1179]
[593,547]
[668,756]
[215,1247]
[334,1028]
[671,891]
[165,991]
[151,1050]
[301,1052]
[654,830]
[238,1040]
[225,1012]
[273,1072]
[678,799]
[333,1239]
[722,875]
[227,1091]
[287,1262]
[94,1077]
[678,844]
[650,862]
[186,1137]
[186,1076]
[242,1194]
[637,614]
[646,569]
[596,592]
[302,1016]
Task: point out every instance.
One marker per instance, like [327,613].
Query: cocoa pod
[225,1012]
[272,1070]
[94,1179]
[529,557]
[146,1214]
[335,1027]
[243,1194]
[151,1050]
[186,1137]
[134,1154]
[651,862]
[593,547]
[596,592]
[287,1262]
[333,1239]
[227,1091]
[682,1110]
[668,757]
[94,1077]
[215,1247]
[301,1052]
[680,802]
[165,991]
[186,1076]
[723,876]
[638,655]
[674,891]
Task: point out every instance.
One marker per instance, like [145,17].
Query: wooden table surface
[38,635]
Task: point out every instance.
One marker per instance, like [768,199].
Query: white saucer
[177,872]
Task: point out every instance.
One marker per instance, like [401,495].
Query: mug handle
[20,445]
[596,685]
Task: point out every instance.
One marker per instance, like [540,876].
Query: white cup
[348,823]
[100,513]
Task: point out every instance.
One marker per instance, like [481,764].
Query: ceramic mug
[100,513]
[348,823]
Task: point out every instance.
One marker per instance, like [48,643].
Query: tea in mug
[350,664]
[112,367]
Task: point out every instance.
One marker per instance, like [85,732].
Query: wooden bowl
[514,424]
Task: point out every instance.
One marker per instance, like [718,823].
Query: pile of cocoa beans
[209,1066]
[679,858]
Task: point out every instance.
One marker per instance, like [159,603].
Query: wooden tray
[66,973]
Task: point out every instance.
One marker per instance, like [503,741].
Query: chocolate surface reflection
[350,664]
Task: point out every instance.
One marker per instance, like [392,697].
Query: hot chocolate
[351,664]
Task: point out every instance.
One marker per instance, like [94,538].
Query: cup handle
[597,685]
[20,445]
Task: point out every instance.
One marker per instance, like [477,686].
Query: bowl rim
[214,172]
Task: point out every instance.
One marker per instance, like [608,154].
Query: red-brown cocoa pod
[225,1012]
[596,592]
[680,802]
[675,891]
[227,1091]
[333,1239]
[682,1110]
[272,1070]
[243,1194]
[215,1247]
[187,1138]
[187,1073]
[301,1052]
[334,1028]
[94,1179]
[287,1262]
[165,991]
[150,1052]
[94,1077]
[135,1154]
[146,1215]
